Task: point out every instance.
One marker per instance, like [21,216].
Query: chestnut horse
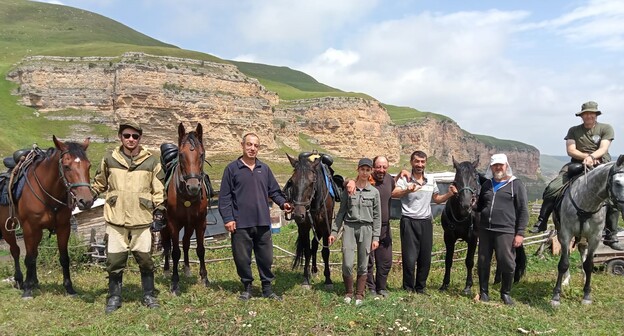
[56,182]
[313,210]
[187,206]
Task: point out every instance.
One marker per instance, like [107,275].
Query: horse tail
[300,251]
[521,263]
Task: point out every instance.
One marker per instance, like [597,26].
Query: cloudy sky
[511,69]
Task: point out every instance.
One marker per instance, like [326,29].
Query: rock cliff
[159,92]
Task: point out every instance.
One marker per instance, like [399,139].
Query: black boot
[611,226]
[542,221]
[505,291]
[268,293]
[113,301]
[149,297]
[484,278]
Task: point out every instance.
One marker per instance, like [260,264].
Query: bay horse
[313,210]
[56,182]
[582,214]
[187,206]
[460,221]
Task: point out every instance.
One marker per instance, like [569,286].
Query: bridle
[613,197]
[473,200]
[184,178]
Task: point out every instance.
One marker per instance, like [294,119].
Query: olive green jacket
[133,189]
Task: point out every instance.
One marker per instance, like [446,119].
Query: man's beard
[499,175]
[379,176]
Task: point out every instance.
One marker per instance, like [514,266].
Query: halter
[185,178]
[68,186]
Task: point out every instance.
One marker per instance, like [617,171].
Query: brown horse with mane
[187,205]
[56,182]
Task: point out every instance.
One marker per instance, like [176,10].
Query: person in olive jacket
[131,178]
[504,217]
[360,216]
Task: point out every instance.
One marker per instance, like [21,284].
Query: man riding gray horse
[587,145]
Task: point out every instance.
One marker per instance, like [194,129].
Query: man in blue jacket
[504,211]
[247,186]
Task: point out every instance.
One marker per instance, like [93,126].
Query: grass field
[217,311]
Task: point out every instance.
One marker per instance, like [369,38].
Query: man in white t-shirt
[416,228]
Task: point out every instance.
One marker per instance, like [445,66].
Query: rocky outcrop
[159,92]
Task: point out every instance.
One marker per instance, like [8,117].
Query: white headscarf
[498,158]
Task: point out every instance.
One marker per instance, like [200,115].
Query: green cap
[590,106]
[131,124]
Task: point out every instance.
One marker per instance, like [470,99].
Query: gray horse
[582,214]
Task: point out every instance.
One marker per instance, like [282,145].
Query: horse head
[616,183]
[74,171]
[191,160]
[304,181]
[467,184]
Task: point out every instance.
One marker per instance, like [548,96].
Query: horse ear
[58,143]
[455,163]
[181,133]
[200,130]
[292,160]
[475,163]
[620,160]
[85,143]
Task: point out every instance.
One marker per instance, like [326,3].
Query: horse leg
[165,237]
[562,268]
[186,246]
[314,249]
[306,258]
[31,262]
[175,256]
[329,285]
[449,243]
[10,238]
[588,268]
[62,236]
[472,247]
[201,253]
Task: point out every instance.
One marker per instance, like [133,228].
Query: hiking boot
[245,295]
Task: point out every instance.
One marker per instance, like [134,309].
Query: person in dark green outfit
[586,144]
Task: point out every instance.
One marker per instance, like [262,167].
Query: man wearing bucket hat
[131,178]
[587,144]
[504,212]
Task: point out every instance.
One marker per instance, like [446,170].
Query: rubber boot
[505,291]
[113,301]
[360,288]
[149,297]
[484,279]
[542,221]
[611,226]
[348,282]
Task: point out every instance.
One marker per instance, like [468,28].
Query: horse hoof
[206,282]
[27,296]
[555,303]
[304,286]
[467,291]
[443,288]
[175,292]
[187,272]
[329,287]
[586,301]
[167,274]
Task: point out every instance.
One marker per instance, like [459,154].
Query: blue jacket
[245,195]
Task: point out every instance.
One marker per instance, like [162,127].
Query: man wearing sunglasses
[131,179]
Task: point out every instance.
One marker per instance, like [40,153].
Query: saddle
[575,171]
[16,166]
[169,160]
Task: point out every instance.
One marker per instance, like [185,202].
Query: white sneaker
[347,299]
[358,302]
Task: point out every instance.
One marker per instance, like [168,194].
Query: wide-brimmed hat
[131,124]
[590,106]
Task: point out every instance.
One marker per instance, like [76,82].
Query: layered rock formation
[160,92]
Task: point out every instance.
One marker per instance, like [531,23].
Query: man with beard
[382,256]
[504,216]
[416,226]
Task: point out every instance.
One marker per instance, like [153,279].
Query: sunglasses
[134,136]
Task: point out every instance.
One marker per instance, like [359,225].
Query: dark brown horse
[56,182]
[313,210]
[187,204]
